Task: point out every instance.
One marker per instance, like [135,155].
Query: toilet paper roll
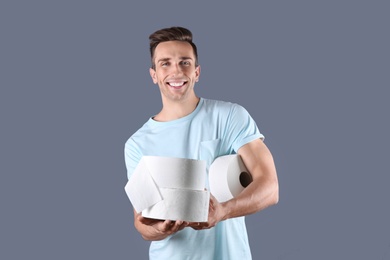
[155,174]
[228,177]
[181,173]
[180,204]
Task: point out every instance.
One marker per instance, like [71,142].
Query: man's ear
[197,73]
[153,75]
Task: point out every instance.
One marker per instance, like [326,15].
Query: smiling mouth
[177,85]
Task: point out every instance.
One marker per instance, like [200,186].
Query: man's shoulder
[220,106]
[144,129]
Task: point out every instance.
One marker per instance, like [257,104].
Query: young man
[196,128]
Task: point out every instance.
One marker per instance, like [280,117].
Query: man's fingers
[173,226]
[164,226]
[212,202]
[148,221]
[178,225]
[183,225]
[199,225]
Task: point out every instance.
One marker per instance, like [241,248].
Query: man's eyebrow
[163,59]
[185,58]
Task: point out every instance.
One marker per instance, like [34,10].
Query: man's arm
[260,194]
[153,229]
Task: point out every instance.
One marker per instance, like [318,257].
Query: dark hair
[171,34]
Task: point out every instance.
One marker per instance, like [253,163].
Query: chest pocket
[209,150]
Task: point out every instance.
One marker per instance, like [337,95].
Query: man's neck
[175,110]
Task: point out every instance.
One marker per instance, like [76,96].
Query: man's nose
[176,70]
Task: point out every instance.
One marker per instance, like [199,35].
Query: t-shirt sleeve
[241,128]
[132,156]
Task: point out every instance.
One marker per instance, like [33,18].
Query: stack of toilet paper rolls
[170,188]
[174,188]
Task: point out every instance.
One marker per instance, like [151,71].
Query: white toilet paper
[169,188]
[174,188]
[141,188]
[170,172]
[180,204]
[228,177]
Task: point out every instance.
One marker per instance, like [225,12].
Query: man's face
[175,71]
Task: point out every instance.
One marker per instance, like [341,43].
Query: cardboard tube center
[245,179]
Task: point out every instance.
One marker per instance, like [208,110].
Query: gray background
[75,85]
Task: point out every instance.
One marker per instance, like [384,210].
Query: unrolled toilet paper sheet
[141,188]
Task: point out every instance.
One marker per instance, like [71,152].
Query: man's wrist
[226,209]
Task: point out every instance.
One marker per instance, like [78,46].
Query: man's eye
[164,64]
[186,63]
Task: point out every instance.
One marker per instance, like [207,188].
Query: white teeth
[176,84]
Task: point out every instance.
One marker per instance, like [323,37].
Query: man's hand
[155,229]
[216,214]
[163,226]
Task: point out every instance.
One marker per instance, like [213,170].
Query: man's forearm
[259,195]
[264,189]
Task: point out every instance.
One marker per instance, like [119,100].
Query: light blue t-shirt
[213,129]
